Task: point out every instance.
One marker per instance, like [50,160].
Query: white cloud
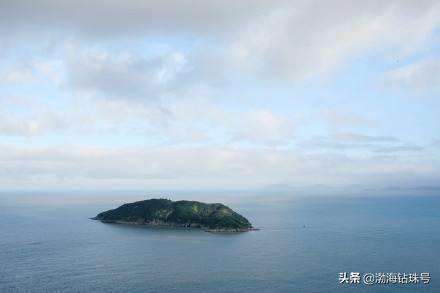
[303,39]
[21,76]
[401,148]
[182,103]
[362,138]
[263,127]
[46,123]
[30,126]
[33,116]
[35,70]
[200,167]
[123,75]
[358,143]
[339,120]
[287,40]
[422,76]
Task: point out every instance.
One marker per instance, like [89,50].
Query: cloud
[287,40]
[259,126]
[185,135]
[338,118]
[192,120]
[97,17]
[362,138]
[401,148]
[195,167]
[344,142]
[422,76]
[13,126]
[263,127]
[18,75]
[124,75]
[303,39]
[33,116]
[179,111]
[30,71]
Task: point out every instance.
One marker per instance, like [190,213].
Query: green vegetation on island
[214,217]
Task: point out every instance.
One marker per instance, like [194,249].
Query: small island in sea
[214,217]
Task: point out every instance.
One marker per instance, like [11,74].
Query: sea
[305,244]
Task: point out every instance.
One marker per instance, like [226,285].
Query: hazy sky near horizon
[219,94]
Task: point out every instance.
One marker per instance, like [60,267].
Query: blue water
[302,246]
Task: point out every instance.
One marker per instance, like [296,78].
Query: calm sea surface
[303,245]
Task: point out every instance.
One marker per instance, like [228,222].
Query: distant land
[215,217]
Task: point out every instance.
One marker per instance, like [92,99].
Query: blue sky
[219,95]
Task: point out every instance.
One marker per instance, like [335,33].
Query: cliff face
[211,217]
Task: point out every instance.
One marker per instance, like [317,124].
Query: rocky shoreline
[195,226]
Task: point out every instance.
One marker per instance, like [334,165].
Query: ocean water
[303,245]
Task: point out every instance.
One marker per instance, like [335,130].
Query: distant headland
[214,217]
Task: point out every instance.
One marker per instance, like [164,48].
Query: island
[214,217]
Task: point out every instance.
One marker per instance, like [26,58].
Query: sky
[218,95]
